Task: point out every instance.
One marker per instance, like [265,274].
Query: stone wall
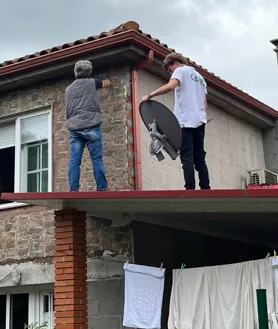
[115,107]
[232,145]
[27,232]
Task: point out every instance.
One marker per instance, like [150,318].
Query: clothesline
[103,258]
[221,296]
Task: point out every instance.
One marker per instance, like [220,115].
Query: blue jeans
[93,139]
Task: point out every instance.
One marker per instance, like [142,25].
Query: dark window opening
[7,168]
[19,311]
[3,311]
[45,304]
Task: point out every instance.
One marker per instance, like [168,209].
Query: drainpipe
[136,118]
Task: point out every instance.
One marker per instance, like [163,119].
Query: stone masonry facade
[27,233]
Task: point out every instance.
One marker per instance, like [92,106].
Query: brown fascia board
[140,40]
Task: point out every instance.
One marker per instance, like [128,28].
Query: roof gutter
[136,118]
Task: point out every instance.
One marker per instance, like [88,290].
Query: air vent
[261,177]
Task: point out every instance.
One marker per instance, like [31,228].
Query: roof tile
[130,25]
[121,28]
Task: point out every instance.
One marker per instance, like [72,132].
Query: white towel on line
[144,287]
[221,297]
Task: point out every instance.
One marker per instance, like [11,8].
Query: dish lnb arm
[158,143]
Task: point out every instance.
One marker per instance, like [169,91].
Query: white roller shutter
[7,135]
[34,128]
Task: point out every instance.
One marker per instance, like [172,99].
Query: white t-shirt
[190,97]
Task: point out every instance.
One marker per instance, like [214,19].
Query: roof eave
[137,38]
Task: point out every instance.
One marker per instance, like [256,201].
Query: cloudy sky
[228,37]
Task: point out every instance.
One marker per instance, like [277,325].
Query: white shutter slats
[7,135]
[34,129]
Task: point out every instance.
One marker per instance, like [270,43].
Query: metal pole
[262,309]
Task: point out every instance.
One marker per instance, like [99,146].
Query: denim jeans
[192,154]
[93,139]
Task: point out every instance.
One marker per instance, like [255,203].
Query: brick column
[70,292]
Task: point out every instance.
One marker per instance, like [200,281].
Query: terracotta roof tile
[121,28]
[131,25]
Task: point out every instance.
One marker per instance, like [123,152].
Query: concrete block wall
[232,145]
[105,288]
[106,304]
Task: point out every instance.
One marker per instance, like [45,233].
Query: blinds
[34,129]
[7,135]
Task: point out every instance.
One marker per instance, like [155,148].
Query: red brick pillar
[70,290]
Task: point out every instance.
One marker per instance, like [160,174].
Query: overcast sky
[228,37]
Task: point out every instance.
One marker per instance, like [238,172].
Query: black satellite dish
[164,129]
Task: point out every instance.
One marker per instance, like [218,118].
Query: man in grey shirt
[84,123]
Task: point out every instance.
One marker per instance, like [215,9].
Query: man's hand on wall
[106,83]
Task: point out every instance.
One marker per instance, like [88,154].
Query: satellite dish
[164,129]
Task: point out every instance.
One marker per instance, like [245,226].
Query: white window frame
[31,305]
[17,121]
[25,163]
[39,310]
[34,306]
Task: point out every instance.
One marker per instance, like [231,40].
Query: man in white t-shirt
[190,110]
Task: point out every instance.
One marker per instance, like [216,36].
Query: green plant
[36,326]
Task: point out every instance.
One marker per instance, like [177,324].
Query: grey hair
[83,69]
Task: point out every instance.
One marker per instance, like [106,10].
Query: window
[3,305]
[34,153]
[25,154]
[19,310]
[7,157]
[26,307]
[47,308]
[14,311]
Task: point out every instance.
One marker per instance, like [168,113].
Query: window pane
[33,182]
[33,157]
[44,155]
[34,153]
[34,128]
[19,311]
[45,181]
[45,303]
[3,311]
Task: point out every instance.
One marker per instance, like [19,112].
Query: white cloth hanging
[221,297]
[144,287]
[275,267]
